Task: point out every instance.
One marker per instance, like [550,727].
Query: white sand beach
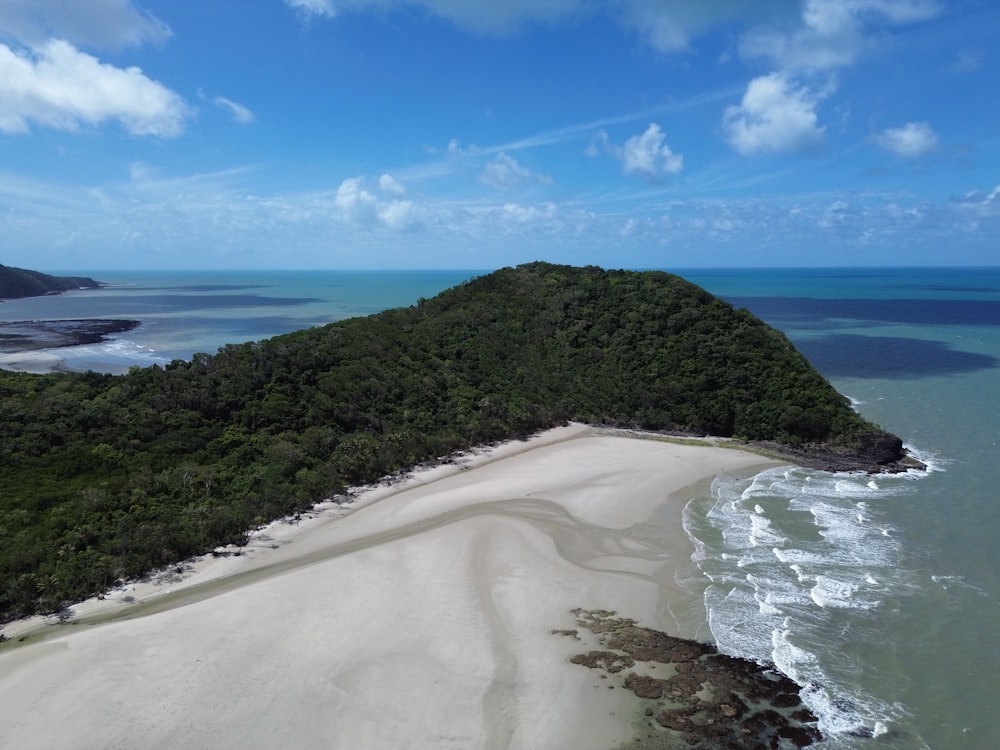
[420,617]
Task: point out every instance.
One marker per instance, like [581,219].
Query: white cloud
[239,112]
[793,34]
[649,155]
[505,173]
[456,148]
[831,33]
[669,27]
[353,204]
[646,154]
[910,141]
[397,215]
[529,214]
[390,184]
[352,201]
[213,220]
[60,87]
[105,24]
[774,116]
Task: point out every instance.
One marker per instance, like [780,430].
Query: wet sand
[419,616]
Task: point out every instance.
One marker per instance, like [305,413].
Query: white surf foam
[787,591]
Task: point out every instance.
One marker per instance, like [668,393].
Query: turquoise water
[185,312]
[879,594]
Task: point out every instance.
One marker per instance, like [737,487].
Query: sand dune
[422,618]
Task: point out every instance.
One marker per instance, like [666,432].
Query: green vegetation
[18,282]
[106,477]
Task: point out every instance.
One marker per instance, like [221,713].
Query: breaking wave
[799,566]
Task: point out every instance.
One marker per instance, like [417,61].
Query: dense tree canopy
[105,477]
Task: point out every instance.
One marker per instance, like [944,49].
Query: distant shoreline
[23,343]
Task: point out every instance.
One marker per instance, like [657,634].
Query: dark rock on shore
[704,699]
[20,282]
[29,335]
[875,453]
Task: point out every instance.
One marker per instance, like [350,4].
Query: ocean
[878,594]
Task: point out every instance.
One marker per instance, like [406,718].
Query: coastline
[33,346]
[422,609]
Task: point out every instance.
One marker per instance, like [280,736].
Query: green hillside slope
[105,477]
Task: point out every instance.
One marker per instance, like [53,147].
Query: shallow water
[185,312]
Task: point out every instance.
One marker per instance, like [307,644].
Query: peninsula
[411,583]
[105,477]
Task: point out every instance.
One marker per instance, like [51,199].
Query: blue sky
[480,133]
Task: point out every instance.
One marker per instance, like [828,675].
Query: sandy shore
[37,362]
[419,617]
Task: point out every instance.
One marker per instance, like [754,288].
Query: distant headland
[31,335]
[19,282]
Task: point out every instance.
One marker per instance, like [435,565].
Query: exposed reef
[693,696]
[29,335]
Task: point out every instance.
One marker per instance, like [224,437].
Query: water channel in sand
[423,617]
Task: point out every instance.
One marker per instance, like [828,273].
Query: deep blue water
[879,594]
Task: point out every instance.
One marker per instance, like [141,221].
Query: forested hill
[19,282]
[104,477]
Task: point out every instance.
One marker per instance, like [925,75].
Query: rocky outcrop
[698,697]
[873,452]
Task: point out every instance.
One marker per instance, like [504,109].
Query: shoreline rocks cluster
[692,695]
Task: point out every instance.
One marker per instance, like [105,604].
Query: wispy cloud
[587,129]
[390,184]
[98,24]
[239,112]
[309,8]
[504,172]
[456,156]
[667,27]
